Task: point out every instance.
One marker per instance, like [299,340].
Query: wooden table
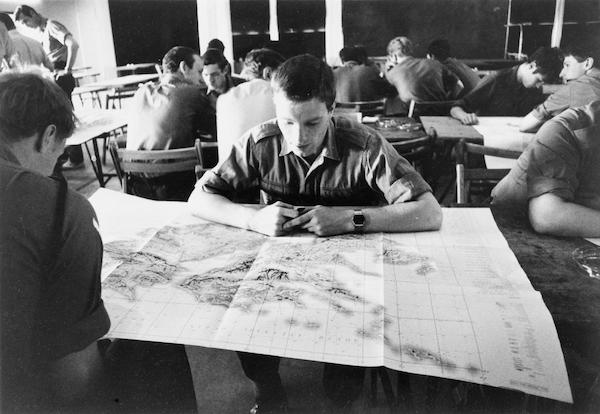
[94,125]
[572,297]
[395,134]
[450,129]
[122,81]
[116,83]
[133,67]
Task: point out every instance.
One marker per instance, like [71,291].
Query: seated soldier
[217,75]
[418,79]
[557,176]
[249,103]
[439,49]
[307,157]
[356,80]
[170,115]
[50,258]
[582,80]
[512,91]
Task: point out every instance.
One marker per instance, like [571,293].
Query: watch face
[358,219]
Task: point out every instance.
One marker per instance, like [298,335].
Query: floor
[218,381]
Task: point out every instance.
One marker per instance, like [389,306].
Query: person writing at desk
[557,177]
[307,157]
[510,92]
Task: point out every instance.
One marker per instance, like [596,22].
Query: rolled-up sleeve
[58,31]
[553,163]
[480,96]
[393,175]
[554,104]
[236,176]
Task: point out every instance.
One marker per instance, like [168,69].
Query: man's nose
[562,74]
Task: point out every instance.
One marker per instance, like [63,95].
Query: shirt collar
[228,85]
[329,150]
[174,78]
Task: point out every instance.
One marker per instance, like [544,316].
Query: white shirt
[30,51]
[240,109]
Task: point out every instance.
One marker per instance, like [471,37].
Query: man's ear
[267,72]
[47,140]
[182,67]
[589,63]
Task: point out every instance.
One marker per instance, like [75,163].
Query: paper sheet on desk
[596,241]
[502,132]
[452,303]
[129,222]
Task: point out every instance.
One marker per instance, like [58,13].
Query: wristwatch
[358,219]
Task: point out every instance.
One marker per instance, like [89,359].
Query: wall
[474,27]
[88,21]
[145,30]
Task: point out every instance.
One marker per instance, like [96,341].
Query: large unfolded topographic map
[453,303]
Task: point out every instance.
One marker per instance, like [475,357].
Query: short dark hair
[8,22]
[215,56]
[349,53]
[305,77]
[581,52]
[29,103]
[258,59]
[216,44]
[439,49]
[24,10]
[176,55]
[548,61]
[361,53]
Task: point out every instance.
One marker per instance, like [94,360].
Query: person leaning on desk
[582,80]
[512,91]
[557,178]
[306,157]
[51,311]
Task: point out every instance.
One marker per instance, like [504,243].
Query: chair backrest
[465,176]
[156,162]
[429,108]
[366,108]
[419,152]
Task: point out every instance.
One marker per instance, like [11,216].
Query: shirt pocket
[357,195]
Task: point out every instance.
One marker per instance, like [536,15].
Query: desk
[134,67]
[93,125]
[85,74]
[502,132]
[572,297]
[396,134]
[116,83]
[122,81]
[490,64]
[450,129]
[431,303]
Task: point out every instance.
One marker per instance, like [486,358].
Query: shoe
[69,165]
[272,408]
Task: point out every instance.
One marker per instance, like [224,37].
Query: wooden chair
[366,108]
[419,152]
[429,108]
[466,176]
[158,162]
